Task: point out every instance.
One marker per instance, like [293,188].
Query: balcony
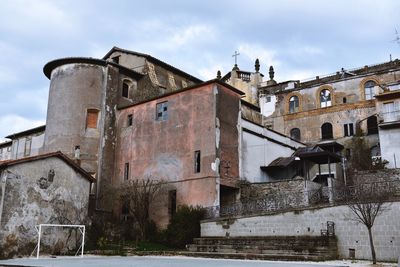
[389,119]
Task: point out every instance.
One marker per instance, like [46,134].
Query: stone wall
[261,190]
[350,234]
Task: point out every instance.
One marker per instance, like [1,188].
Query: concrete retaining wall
[350,234]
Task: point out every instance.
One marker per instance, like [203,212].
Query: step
[256,248]
[315,241]
[257,256]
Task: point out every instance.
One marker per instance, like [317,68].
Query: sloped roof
[6,143]
[217,81]
[58,154]
[153,59]
[50,66]
[27,132]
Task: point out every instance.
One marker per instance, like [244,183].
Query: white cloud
[190,34]
[210,72]
[31,17]
[34,99]
[267,57]
[13,123]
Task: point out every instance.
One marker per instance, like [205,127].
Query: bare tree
[366,205]
[137,195]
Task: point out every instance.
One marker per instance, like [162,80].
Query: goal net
[39,228]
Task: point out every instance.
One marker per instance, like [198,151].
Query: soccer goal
[41,226]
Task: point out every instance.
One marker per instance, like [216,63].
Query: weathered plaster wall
[227,121]
[350,234]
[74,88]
[165,149]
[31,199]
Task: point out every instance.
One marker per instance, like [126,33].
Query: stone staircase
[315,248]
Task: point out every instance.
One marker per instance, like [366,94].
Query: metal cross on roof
[235,56]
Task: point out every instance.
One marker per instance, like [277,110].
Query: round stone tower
[74,113]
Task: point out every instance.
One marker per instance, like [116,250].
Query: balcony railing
[390,116]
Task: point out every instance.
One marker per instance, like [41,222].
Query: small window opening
[197,157]
[348,129]
[125,90]
[268,99]
[126,171]
[344,100]
[162,111]
[91,118]
[130,120]
[172,203]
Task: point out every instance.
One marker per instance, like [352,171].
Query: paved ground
[161,261]
[150,261]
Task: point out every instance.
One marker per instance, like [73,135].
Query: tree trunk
[371,243]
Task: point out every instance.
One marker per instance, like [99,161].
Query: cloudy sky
[301,38]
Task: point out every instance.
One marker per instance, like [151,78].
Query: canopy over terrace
[302,160]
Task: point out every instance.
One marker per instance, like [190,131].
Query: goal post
[81,228]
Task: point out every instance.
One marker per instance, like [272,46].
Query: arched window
[372,125]
[295,134]
[369,91]
[294,104]
[125,89]
[325,98]
[326,131]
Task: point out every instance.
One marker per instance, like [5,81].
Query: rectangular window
[268,99]
[197,157]
[351,129]
[162,111]
[91,118]
[348,129]
[130,120]
[126,171]
[28,145]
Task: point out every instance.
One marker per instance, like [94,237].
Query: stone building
[46,188]
[334,107]
[130,115]
[26,143]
